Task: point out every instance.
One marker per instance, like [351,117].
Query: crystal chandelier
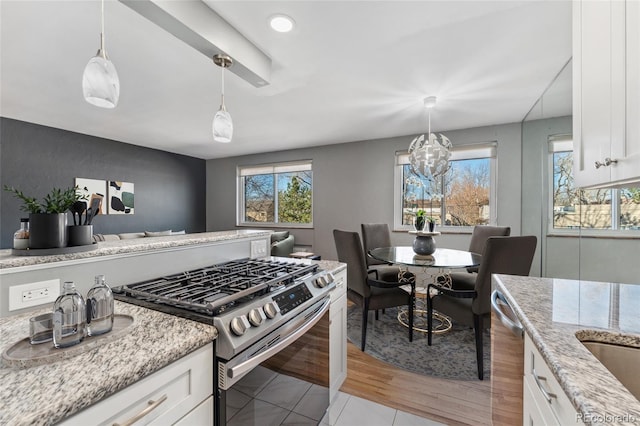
[100,83]
[222,123]
[428,154]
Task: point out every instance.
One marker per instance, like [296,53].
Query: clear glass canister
[99,308]
[21,236]
[69,317]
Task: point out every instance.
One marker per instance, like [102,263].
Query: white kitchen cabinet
[175,391]
[545,402]
[202,415]
[606,93]
[338,335]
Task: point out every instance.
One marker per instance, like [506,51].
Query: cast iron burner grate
[217,288]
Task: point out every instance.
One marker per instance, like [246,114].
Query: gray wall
[169,188]
[353,184]
[565,256]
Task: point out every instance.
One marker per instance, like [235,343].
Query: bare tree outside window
[593,208]
[459,198]
[278,198]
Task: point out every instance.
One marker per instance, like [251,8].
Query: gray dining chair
[376,235]
[466,280]
[502,255]
[369,293]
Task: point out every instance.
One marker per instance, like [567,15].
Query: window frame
[564,143]
[273,169]
[464,152]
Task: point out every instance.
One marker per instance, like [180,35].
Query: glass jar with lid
[21,236]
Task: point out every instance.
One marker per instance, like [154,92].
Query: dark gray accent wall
[170,189]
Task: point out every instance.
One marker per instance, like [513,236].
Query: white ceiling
[350,70]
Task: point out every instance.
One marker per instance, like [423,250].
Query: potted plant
[432,223]
[48,218]
[420,219]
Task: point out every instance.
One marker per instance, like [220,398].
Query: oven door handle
[254,361]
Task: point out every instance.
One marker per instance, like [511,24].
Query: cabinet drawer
[173,391]
[541,380]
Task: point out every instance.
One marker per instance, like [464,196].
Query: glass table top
[441,258]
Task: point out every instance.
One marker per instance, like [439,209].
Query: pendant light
[222,123]
[429,155]
[100,83]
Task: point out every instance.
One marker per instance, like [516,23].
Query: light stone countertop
[107,248]
[46,394]
[553,310]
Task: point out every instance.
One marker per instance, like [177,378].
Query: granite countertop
[553,310]
[46,394]
[108,248]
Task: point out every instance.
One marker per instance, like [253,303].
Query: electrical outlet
[33,294]
[258,248]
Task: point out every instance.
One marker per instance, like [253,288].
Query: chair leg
[429,319]
[377,315]
[477,325]
[410,307]
[365,312]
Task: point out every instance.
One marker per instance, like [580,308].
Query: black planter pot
[47,230]
[419,225]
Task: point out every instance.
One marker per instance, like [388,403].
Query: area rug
[452,355]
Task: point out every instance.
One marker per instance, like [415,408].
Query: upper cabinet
[606,93]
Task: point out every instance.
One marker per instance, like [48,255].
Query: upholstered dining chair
[377,235]
[501,255]
[369,293]
[466,280]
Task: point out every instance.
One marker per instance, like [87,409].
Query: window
[593,209]
[276,194]
[462,197]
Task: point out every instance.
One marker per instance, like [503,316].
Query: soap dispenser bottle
[69,317]
[99,308]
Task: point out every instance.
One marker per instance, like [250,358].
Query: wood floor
[454,402]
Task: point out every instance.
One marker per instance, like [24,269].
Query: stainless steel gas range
[272,352]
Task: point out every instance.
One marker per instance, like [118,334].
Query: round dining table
[443,260]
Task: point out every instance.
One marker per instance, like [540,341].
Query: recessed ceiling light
[281,23]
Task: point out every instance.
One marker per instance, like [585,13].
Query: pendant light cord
[222,96]
[104,53]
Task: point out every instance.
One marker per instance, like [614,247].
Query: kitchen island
[553,311]
[47,394]
[123,262]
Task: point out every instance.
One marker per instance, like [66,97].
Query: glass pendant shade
[428,154]
[430,157]
[222,123]
[222,126]
[100,83]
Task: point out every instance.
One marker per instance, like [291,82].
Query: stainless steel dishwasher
[507,362]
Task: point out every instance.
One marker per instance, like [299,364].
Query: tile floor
[349,410]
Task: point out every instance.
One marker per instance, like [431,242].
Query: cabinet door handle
[547,395]
[152,406]
[607,162]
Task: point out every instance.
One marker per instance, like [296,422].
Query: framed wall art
[121,197]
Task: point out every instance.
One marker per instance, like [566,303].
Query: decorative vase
[80,235]
[47,230]
[424,245]
[432,226]
[419,225]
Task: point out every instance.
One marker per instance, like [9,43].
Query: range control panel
[293,297]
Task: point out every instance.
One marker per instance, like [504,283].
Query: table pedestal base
[441,323]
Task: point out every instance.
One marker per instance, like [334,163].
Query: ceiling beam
[197,25]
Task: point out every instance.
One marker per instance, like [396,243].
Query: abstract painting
[93,189]
[121,197]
